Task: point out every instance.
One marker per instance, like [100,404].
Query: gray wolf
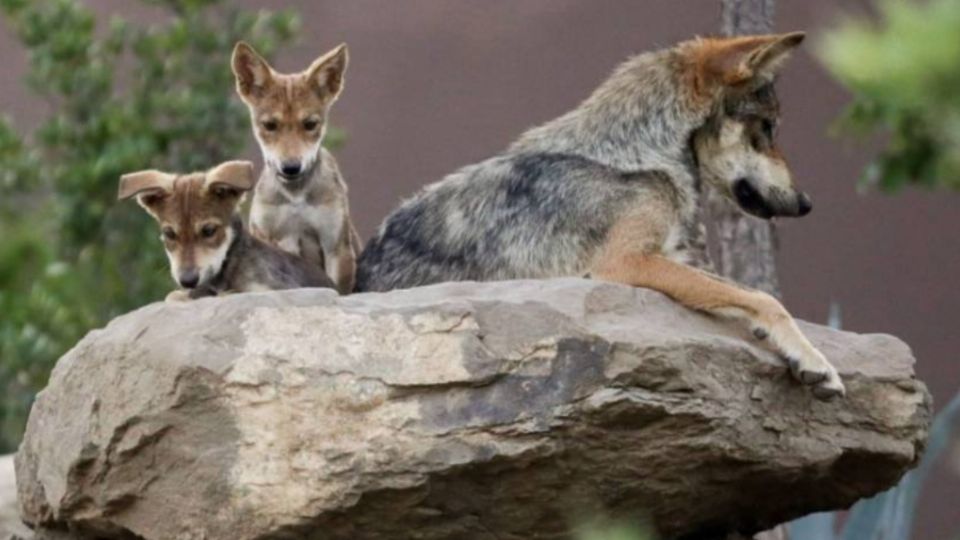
[300,203]
[610,190]
[209,249]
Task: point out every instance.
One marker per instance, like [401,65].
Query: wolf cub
[209,249]
[300,203]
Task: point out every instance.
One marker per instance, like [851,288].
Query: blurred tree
[904,72]
[123,98]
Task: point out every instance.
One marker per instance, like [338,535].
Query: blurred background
[95,88]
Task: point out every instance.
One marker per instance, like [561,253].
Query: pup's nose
[290,168]
[189,279]
[804,205]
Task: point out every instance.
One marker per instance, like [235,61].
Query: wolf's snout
[804,204]
[767,201]
[750,200]
[189,278]
[291,168]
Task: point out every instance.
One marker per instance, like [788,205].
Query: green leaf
[72,256]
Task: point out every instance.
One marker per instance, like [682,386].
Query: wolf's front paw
[814,370]
[178,295]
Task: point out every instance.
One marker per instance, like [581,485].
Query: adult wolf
[611,190]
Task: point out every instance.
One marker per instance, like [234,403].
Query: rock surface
[464,411]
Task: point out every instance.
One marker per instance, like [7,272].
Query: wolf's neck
[641,118]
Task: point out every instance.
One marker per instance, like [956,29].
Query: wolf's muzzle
[189,278]
[773,204]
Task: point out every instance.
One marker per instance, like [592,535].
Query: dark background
[437,84]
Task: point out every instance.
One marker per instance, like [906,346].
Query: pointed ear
[252,72]
[150,187]
[326,72]
[768,60]
[734,61]
[231,179]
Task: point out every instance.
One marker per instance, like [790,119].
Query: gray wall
[437,84]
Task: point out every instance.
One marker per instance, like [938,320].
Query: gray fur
[646,117]
[253,264]
[544,207]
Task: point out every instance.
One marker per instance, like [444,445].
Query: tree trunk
[744,247]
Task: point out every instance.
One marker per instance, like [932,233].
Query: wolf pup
[300,203]
[611,190]
[210,252]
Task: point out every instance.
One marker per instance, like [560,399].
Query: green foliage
[904,73]
[123,98]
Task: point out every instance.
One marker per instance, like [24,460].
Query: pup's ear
[326,72]
[150,187]
[734,61]
[252,72]
[231,179]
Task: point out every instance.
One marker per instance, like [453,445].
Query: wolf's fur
[611,189]
[209,250]
[300,203]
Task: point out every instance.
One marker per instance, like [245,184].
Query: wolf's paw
[812,369]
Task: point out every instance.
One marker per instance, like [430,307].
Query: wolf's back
[511,217]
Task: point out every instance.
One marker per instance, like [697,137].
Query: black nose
[804,205]
[189,279]
[290,168]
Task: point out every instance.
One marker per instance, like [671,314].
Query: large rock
[506,410]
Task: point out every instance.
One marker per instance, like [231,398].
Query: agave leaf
[819,526]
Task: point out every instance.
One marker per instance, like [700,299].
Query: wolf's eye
[310,124]
[168,234]
[208,230]
[270,125]
[767,127]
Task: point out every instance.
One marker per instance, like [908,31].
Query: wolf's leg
[340,263]
[698,290]
[340,257]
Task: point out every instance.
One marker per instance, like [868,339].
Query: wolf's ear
[734,61]
[768,59]
[150,187]
[231,179]
[326,72]
[253,73]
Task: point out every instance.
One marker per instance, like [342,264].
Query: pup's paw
[178,295]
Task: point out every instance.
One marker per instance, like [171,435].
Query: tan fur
[714,64]
[204,237]
[194,212]
[624,260]
[308,216]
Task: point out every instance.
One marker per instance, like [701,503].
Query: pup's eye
[270,125]
[168,234]
[208,230]
[310,124]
